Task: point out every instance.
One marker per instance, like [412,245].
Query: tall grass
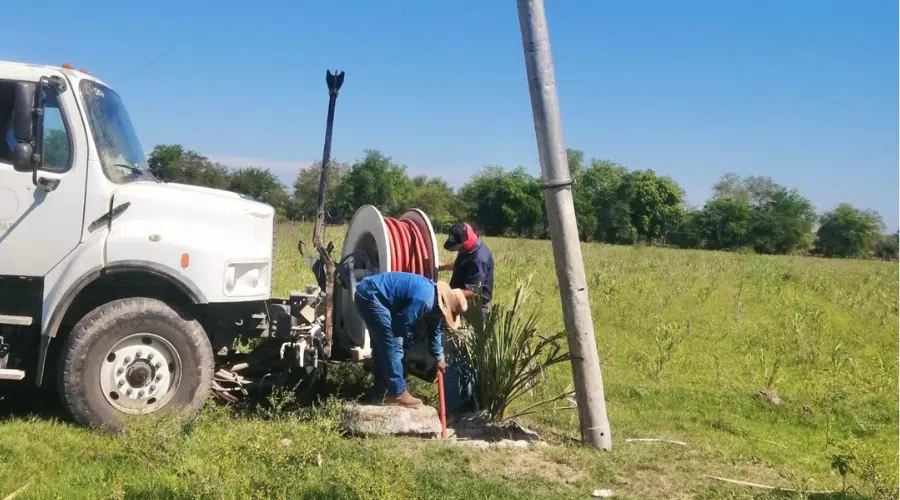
[687,339]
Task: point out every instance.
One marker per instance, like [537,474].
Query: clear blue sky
[804,91]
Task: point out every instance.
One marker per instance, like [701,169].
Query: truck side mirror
[24,128]
[23,119]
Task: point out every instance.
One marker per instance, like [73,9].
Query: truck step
[15,320]
[7,374]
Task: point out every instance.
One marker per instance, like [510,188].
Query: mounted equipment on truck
[129,293]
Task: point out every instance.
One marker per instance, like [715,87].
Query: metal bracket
[56,82]
[8,374]
[107,218]
[15,320]
[557,184]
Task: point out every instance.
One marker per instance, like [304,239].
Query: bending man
[392,304]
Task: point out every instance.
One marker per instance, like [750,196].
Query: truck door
[39,227]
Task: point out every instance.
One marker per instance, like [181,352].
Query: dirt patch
[678,477]
[531,463]
[654,484]
[525,463]
[477,427]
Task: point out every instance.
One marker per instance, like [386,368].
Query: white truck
[126,292]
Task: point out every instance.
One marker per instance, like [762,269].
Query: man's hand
[447,266]
[442,366]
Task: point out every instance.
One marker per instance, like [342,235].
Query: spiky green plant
[504,354]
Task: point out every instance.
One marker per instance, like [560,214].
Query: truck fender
[183,283]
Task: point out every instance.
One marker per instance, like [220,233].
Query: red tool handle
[440,381]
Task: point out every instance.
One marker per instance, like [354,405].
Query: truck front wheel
[134,356]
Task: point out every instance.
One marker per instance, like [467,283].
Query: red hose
[408,250]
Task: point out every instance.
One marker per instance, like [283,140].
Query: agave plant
[505,356]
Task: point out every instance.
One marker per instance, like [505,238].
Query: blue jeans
[459,382]
[387,347]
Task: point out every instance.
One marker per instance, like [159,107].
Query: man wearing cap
[473,271]
[392,304]
[474,264]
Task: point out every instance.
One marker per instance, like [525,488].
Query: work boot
[405,400]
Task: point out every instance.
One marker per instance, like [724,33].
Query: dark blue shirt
[410,298]
[473,268]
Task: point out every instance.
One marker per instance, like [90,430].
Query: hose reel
[374,244]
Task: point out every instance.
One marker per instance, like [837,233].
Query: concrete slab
[383,420]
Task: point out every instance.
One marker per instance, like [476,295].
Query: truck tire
[134,356]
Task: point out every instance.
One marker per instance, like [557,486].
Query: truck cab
[113,285]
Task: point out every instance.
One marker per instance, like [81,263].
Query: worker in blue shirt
[392,304]
[474,263]
[473,271]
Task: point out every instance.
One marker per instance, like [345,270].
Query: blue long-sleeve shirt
[474,268]
[410,298]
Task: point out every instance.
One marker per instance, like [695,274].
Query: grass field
[687,340]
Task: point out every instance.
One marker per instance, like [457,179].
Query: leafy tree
[730,187]
[375,180]
[689,234]
[172,163]
[201,172]
[760,190]
[887,248]
[56,149]
[162,160]
[847,231]
[655,203]
[582,196]
[575,160]
[724,223]
[261,185]
[781,221]
[505,202]
[306,190]
[611,204]
[437,199]
[603,180]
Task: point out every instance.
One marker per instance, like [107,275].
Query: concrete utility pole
[557,187]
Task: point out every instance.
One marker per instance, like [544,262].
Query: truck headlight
[246,278]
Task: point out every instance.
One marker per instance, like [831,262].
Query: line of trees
[612,204]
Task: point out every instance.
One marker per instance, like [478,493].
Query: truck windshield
[121,154]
